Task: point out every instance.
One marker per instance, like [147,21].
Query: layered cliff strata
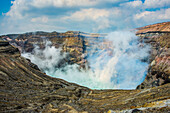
[75,43]
[158,36]
[23,88]
[159,27]
[79,44]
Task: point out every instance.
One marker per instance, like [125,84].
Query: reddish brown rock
[159,68]
[159,27]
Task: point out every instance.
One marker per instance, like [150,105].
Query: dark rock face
[77,45]
[73,42]
[23,88]
[159,69]
[8,49]
[21,84]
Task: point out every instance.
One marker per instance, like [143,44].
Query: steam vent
[28,87]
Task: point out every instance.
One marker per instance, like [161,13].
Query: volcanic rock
[158,36]
[23,88]
[155,28]
[74,43]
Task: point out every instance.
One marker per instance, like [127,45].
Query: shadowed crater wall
[24,88]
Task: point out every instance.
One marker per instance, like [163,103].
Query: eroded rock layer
[74,43]
[159,27]
[159,68]
[23,88]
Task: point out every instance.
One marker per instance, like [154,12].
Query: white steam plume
[118,66]
[47,59]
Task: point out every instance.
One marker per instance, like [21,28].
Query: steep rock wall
[23,88]
[159,68]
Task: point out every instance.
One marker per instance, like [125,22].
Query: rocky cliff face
[158,36]
[77,45]
[159,27]
[74,43]
[23,88]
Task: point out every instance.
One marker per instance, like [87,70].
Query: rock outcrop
[158,36]
[74,43]
[155,28]
[23,88]
[77,45]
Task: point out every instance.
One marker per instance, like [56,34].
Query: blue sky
[100,16]
[4,7]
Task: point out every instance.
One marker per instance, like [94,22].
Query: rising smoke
[119,66]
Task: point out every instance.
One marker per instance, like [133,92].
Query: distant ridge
[159,27]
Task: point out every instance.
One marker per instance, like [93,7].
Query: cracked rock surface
[23,88]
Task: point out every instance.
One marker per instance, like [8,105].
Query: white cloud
[102,24]
[151,16]
[89,14]
[83,15]
[20,6]
[43,19]
[147,4]
[21,26]
[142,15]
[99,17]
[63,3]
[156,3]
[132,4]
[17,8]
[102,18]
[70,3]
